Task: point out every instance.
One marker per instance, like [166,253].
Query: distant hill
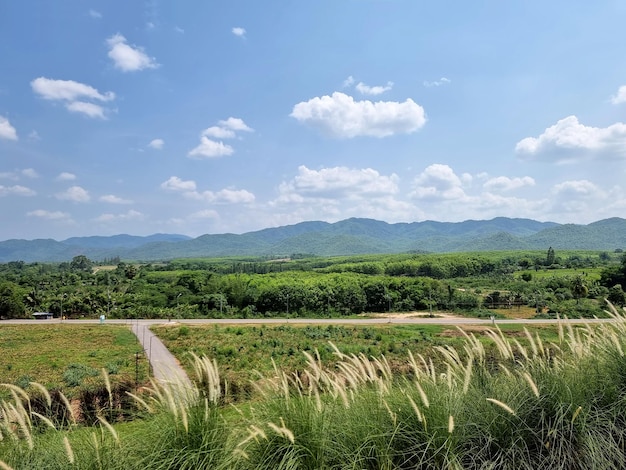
[346,237]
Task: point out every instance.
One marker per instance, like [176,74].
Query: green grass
[244,352]
[67,357]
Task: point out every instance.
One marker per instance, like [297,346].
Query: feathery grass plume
[504,406]
[21,418]
[450,424]
[141,401]
[69,408]
[416,370]
[505,369]
[504,348]
[416,409]
[68,450]
[110,428]
[423,395]
[531,341]
[96,447]
[521,349]
[531,382]
[392,415]
[107,384]
[433,372]
[208,377]
[282,430]
[5,466]
[184,418]
[47,421]
[576,413]
[468,372]
[44,391]
[616,343]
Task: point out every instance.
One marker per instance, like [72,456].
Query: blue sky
[231,116]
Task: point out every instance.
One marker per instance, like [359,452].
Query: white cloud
[34,135]
[348,82]
[7,131]
[49,215]
[235,124]
[130,215]
[156,144]
[438,181]
[73,94]
[205,214]
[340,182]
[373,90]
[569,140]
[620,97]
[128,58]
[224,196]
[238,31]
[219,133]
[90,109]
[65,176]
[576,187]
[112,199]
[75,194]
[95,14]
[67,90]
[174,183]
[210,149]
[435,83]
[30,173]
[503,183]
[226,129]
[16,190]
[340,116]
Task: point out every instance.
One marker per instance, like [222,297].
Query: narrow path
[165,367]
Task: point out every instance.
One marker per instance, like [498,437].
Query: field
[244,353]
[67,357]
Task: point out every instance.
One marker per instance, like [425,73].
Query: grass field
[245,352]
[67,356]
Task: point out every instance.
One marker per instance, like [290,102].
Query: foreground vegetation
[537,405]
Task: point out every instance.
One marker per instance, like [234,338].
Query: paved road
[163,363]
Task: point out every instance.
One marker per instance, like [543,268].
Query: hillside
[346,237]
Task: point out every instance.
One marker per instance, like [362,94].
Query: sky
[200,116]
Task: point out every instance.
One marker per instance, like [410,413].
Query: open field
[246,352]
[67,356]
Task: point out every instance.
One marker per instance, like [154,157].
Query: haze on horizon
[214,117]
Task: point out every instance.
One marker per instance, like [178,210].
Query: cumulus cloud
[210,149]
[373,90]
[73,95]
[49,215]
[569,140]
[128,58]
[438,181]
[340,116]
[7,131]
[224,196]
[238,31]
[74,194]
[504,183]
[30,173]
[16,190]
[112,199]
[129,215]
[435,83]
[67,90]
[65,176]
[348,82]
[156,144]
[620,96]
[90,109]
[226,129]
[174,183]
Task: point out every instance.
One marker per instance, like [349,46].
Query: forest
[567,283]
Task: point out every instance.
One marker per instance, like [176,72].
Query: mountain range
[346,237]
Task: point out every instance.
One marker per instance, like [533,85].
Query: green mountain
[346,237]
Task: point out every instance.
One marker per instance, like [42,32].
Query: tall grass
[520,404]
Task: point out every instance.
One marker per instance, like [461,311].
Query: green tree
[11,305]
[579,289]
[550,257]
[81,263]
